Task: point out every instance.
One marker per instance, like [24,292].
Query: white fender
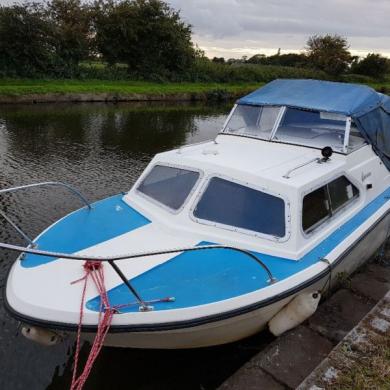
[41,336]
[294,313]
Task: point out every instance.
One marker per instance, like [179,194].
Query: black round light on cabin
[326,152]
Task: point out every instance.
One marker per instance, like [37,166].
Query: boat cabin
[265,182]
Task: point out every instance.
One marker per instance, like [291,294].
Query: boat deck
[192,278]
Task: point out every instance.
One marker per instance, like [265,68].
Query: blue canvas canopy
[369,109]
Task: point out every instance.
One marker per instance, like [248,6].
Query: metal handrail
[290,171]
[111,260]
[47,183]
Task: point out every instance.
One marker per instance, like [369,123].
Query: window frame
[287,210]
[168,165]
[333,215]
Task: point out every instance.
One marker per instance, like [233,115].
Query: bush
[147,35]
[357,78]
[373,65]
[208,71]
[26,41]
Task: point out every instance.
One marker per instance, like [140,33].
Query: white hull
[241,326]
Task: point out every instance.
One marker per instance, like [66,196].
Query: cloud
[236,27]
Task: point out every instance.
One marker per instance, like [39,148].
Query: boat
[214,239]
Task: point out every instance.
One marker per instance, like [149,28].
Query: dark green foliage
[205,70]
[218,60]
[40,40]
[329,53]
[147,35]
[289,59]
[373,65]
[27,47]
[71,21]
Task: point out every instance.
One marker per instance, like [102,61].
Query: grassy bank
[12,87]
[19,90]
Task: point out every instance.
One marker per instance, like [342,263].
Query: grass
[15,87]
[369,370]
[23,87]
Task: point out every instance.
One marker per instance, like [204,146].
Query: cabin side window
[168,185]
[238,206]
[356,140]
[324,202]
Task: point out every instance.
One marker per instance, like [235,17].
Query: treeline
[53,38]
[328,53]
[148,40]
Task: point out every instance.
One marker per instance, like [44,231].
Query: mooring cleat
[146,308]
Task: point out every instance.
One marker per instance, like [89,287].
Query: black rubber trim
[193,322]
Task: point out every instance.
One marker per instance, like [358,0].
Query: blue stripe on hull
[196,278]
[84,228]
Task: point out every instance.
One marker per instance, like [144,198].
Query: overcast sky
[233,28]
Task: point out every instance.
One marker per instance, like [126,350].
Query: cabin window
[168,185]
[238,206]
[316,208]
[257,121]
[341,192]
[325,201]
[356,140]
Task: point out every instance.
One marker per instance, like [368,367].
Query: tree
[26,41]
[373,65]
[329,53]
[72,31]
[258,59]
[147,35]
[289,59]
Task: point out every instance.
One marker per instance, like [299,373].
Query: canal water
[100,149]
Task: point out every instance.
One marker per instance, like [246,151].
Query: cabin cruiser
[214,239]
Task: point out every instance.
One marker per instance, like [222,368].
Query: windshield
[168,185]
[312,128]
[296,126]
[253,120]
[239,206]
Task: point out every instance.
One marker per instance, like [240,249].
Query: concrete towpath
[351,361]
[290,359]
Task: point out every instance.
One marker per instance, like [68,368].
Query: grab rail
[47,183]
[111,260]
[290,171]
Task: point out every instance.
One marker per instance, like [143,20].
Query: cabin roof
[238,157]
[342,98]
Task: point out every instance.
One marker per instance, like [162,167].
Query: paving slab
[359,345]
[339,314]
[382,273]
[251,378]
[373,283]
[294,355]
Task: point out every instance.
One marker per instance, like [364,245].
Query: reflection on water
[100,149]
